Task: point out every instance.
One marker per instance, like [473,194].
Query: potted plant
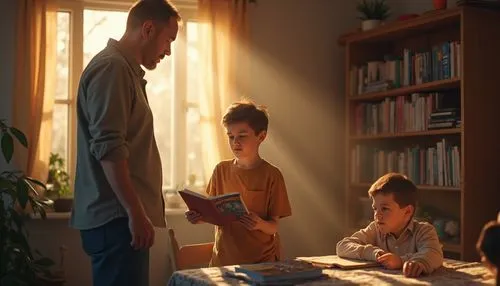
[373,12]
[58,187]
[19,264]
[439,4]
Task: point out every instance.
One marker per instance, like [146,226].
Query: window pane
[60,114]
[62,56]
[193,63]
[60,131]
[194,155]
[98,27]
[193,142]
[160,89]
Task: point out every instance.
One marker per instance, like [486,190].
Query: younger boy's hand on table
[193,217]
[252,221]
[413,269]
[390,261]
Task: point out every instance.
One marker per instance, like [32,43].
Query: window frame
[188,11]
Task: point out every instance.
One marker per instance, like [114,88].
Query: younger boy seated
[488,247]
[394,239]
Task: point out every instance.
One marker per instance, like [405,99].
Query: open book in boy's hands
[217,210]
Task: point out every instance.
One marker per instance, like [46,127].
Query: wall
[297,72]
[399,7]
[7,31]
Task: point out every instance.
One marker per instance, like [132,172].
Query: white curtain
[223,33]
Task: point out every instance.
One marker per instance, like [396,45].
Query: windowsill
[53,215]
[67,215]
[175,211]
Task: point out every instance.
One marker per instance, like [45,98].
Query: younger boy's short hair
[155,10]
[488,243]
[404,190]
[246,111]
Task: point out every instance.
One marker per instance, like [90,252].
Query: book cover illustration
[217,210]
[275,272]
[231,205]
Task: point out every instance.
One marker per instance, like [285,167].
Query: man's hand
[390,261]
[252,221]
[413,269]
[142,231]
[193,217]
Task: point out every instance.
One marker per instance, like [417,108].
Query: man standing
[118,180]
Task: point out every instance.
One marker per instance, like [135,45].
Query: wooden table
[452,273]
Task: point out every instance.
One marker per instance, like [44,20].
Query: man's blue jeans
[114,261]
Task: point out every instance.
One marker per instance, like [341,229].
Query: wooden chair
[191,255]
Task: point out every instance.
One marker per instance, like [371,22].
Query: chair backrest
[191,255]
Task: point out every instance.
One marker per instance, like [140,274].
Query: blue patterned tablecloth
[453,273]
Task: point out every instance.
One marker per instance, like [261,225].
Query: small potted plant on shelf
[58,187]
[373,12]
[439,4]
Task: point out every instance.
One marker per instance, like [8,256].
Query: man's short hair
[155,10]
[404,190]
[246,111]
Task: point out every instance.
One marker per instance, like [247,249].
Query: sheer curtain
[223,34]
[34,95]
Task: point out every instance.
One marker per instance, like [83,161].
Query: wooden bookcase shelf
[473,198]
[427,22]
[452,247]
[437,85]
[407,134]
[366,186]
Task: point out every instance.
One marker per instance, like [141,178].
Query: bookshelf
[399,77]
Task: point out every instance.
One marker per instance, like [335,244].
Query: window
[173,87]
[62,102]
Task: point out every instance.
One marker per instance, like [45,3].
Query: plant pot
[63,205]
[439,4]
[369,24]
[173,200]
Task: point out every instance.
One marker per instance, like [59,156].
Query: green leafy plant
[19,264]
[58,178]
[373,10]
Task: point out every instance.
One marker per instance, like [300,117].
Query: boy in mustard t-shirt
[254,238]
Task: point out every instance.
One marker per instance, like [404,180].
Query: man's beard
[150,55]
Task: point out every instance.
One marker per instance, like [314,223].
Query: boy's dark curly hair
[246,111]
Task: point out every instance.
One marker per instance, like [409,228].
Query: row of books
[445,118]
[410,68]
[417,112]
[437,165]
